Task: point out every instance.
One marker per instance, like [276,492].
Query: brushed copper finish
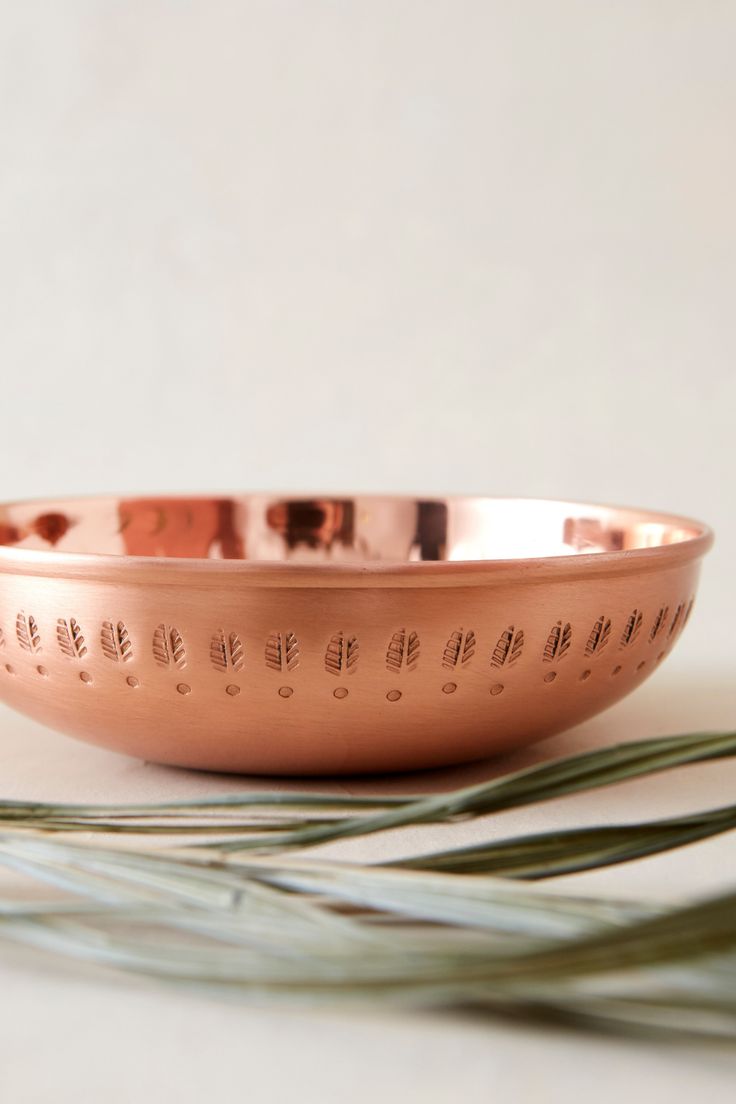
[304,635]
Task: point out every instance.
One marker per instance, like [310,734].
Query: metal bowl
[294,635]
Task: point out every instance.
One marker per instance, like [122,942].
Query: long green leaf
[550,854]
[286,819]
[448,928]
[577,773]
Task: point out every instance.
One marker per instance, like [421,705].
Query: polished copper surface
[303,635]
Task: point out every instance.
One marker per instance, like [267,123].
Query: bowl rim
[199,571]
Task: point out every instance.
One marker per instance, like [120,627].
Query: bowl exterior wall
[306,680]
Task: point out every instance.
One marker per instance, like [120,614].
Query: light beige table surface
[69,1032]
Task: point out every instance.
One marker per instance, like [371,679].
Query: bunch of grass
[227,897]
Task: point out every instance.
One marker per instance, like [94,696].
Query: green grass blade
[550,854]
[287,819]
[575,774]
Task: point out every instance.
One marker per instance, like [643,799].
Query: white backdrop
[422,245]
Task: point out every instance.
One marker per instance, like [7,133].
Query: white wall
[433,245]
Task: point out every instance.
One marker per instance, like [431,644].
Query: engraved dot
[9,669]
[449,688]
[132,681]
[285,691]
[184,688]
[393,695]
[497,689]
[340,692]
[616,670]
[550,676]
[232,690]
[85,676]
[642,664]
[42,671]
[585,675]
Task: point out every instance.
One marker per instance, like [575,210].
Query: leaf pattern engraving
[342,651]
[632,629]
[677,620]
[341,656]
[226,651]
[115,641]
[282,651]
[26,630]
[168,647]
[509,647]
[459,650]
[659,622]
[403,651]
[70,638]
[558,642]
[599,636]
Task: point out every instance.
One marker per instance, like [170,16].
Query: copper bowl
[332,635]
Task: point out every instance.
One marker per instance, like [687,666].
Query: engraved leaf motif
[218,651]
[70,638]
[226,651]
[351,653]
[412,651]
[459,650]
[333,655]
[161,646]
[341,656]
[599,636]
[236,650]
[558,642]
[26,630]
[658,623]
[115,641]
[565,640]
[677,620]
[282,651]
[509,647]
[451,654]
[632,629]
[273,652]
[395,652]
[403,650]
[291,654]
[168,647]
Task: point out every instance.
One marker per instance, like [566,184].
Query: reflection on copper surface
[197,527]
[592,535]
[326,530]
[315,523]
[431,534]
[10,534]
[51,527]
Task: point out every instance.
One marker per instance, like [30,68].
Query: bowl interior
[371,529]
